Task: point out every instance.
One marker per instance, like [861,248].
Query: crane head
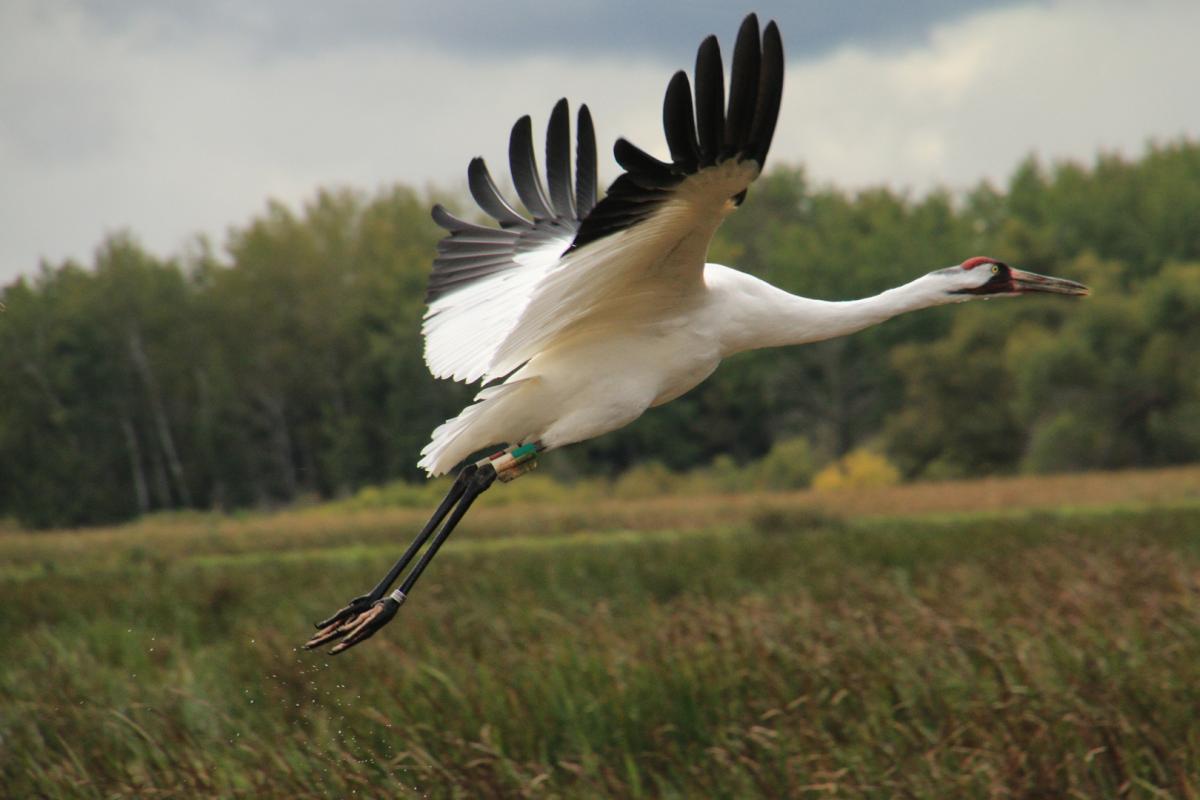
[981,276]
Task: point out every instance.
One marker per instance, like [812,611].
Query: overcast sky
[176,118]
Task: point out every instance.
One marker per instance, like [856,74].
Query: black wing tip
[443,218]
[679,122]
[710,100]
[771,37]
[700,129]
[487,196]
[638,163]
[754,97]
[559,114]
[477,170]
[472,252]
[770,95]
[708,57]
[558,161]
[679,86]
[447,221]
[522,163]
[586,164]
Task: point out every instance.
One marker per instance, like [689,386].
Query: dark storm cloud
[665,31]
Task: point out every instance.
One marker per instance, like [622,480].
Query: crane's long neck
[772,317]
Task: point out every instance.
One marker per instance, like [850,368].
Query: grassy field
[1007,638]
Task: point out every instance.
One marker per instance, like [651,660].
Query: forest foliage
[287,364]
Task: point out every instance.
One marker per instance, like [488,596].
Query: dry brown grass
[1016,655]
[168,536]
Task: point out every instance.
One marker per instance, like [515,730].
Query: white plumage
[593,312]
[580,325]
[464,330]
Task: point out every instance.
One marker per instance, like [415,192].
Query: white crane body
[583,313]
[603,372]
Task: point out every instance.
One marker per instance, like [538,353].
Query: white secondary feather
[614,313]
[491,328]
[464,328]
[659,259]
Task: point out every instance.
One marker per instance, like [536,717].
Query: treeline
[289,363]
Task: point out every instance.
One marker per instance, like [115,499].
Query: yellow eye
[995,268]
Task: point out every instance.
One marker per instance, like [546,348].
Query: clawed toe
[365,615]
[352,609]
[328,634]
[355,629]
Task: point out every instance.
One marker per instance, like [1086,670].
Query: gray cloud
[667,32]
[172,120]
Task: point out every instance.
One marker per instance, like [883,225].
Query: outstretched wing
[482,277]
[649,236]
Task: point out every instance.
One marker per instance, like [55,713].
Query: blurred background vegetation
[287,364]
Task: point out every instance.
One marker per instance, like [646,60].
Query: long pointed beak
[1032,282]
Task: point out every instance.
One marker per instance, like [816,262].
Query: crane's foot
[354,627]
[359,619]
[352,609]
[341,622]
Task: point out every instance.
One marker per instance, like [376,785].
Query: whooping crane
[591,312]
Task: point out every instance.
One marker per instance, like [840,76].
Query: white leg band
[399,596]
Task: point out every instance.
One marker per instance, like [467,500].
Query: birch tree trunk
[142,364]
[141,493]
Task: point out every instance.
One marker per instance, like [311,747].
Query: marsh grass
[800,650]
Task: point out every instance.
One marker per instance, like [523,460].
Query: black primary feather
[523,164]
[743,129]
[452,223]
[558,160]
[472,252]
[586,181]
[743,87]
[679,123]
[700,135]
[484,190]
[710,101]
[770,93]
[644,169]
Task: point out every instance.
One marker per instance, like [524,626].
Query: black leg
[452,497]
[479,483]
[364,602]
[365,615]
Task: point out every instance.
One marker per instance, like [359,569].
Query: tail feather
[477,426]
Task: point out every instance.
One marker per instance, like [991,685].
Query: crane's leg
[366,614]
[364,602]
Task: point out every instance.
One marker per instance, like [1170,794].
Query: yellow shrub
[857,468]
